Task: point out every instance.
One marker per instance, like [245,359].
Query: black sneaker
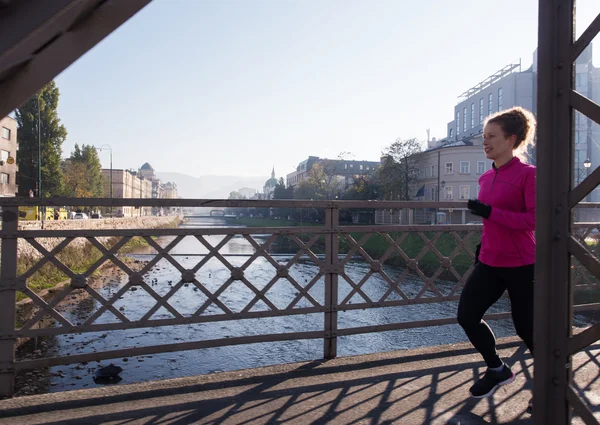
[491,381]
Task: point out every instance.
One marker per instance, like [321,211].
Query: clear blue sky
[235,87]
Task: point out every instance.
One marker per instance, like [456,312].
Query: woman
[505,259]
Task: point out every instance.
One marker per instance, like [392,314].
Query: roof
[147,166]
[272,182]
[40,39]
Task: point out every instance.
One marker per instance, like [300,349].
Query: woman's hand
[479,208]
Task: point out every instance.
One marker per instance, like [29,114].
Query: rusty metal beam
[586,106]
[48,44]
[232,203]
[8,272]
[552,273]
[583,339]
[585,39]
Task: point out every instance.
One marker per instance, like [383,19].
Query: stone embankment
[27,250]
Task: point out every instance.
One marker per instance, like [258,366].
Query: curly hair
[517,122]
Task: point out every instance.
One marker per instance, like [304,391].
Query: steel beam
[45,44]
[552,300]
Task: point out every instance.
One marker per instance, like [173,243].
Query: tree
[83,173]
[236,195]
[322,182]
[364,188]
[401,168]
[52,133]
[282,192]
[75,179]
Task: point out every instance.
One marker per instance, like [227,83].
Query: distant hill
[211,187]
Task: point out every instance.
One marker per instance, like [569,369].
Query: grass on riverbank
[77,258]
[377,245]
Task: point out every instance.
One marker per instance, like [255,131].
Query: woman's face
[495,143]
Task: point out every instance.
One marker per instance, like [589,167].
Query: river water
[135,304]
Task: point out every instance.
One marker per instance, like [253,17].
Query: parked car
[80,216]
[96,215]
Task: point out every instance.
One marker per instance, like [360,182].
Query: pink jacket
[508,239]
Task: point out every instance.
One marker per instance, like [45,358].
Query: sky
[237,87]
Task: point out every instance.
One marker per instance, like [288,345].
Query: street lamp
[587,164]
[111,176]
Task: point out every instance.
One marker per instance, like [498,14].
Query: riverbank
[412,244]
[80,254]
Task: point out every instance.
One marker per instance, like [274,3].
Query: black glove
[479,208]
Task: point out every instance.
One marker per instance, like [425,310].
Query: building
[346,170]
[293,179]
[8,157]
[506,88]
[449,171]
[269,186]
[128,184]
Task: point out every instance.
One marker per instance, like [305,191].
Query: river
[187,300]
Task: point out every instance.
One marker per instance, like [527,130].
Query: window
[457,122]
[351,165]
[361,166]
[4,178]
[464,192]
[449,168]
[345,166]
[465,167]
[464,119]
[368,168]
[432,191]
[472,115]
[448,190]
[5,133]
[499,99]
[490,104]
[433,171]
[478,187]
[450,133]
[4,155]
[481,111]
[480,167]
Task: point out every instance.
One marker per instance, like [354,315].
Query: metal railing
[438,256]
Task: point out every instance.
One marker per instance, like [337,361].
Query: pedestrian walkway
[409,387]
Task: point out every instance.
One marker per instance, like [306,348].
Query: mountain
[210,187]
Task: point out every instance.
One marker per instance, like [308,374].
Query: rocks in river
[111,371]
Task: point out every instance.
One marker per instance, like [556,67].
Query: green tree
[282,192]
[401,169]
[322,182]
[83,173]
[52,133]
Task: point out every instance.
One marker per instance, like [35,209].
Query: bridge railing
[328,269]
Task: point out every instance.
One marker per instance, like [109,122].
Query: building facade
[127,184]
[508,87]
[269,186]
[450,171]
[345,170]
[8,157]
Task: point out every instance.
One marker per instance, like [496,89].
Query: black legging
[483,288]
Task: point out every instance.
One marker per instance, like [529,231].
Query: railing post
[331,282]
[8,274]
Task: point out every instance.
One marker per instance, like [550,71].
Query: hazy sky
[235,87]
